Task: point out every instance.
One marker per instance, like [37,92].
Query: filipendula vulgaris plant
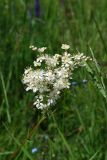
[51,75]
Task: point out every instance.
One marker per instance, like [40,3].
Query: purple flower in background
[85,81]
[62,1]
[37,8]
[74,83]
[34,150]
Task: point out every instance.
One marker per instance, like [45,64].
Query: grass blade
[6,99]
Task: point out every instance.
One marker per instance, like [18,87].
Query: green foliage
[77,127]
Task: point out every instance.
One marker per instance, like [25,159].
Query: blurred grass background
[78,129]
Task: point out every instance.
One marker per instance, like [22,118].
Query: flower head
[51,75]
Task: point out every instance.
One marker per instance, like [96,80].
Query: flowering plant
[51,75]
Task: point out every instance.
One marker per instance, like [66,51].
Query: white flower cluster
[51,74]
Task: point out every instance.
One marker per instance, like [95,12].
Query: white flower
[66,58]
[36,63]
[49,81]
[50,102]
[34,48]
[28,70]
[34,89]
[31,46]
[61,84]
[50,77]
[51,62]
[65,46]
[28,88]
[42,49]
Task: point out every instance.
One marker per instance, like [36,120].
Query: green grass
[77,127]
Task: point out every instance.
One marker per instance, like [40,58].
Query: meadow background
[78,128]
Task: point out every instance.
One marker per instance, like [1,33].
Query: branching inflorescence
[51,75]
